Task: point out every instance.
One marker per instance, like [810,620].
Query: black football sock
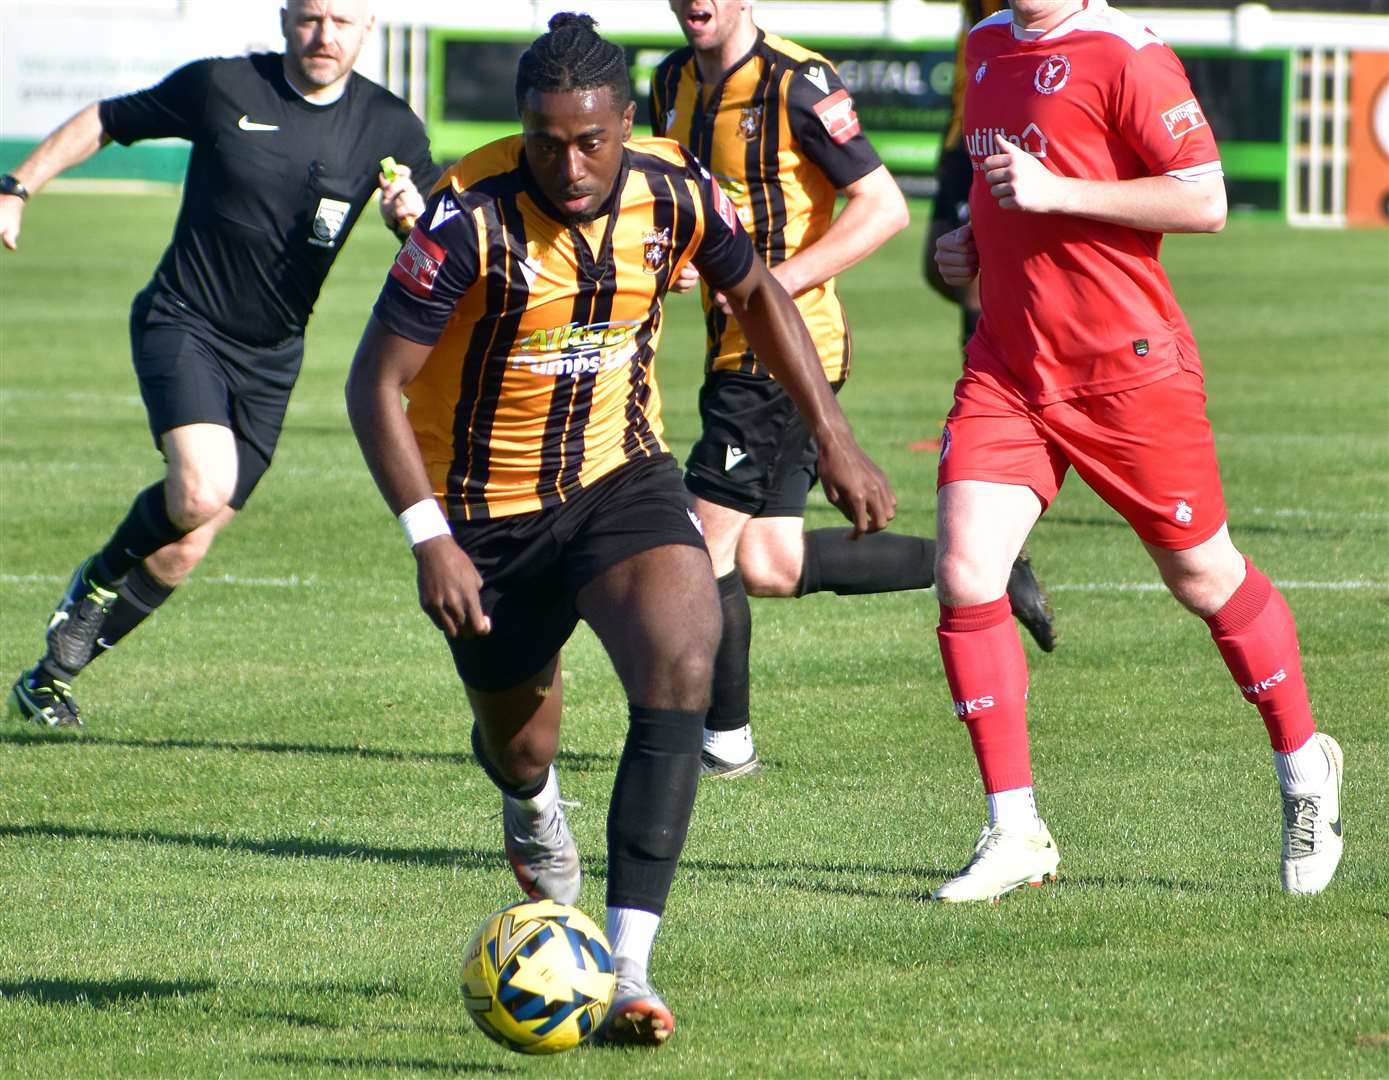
[874,563]
[653,795]
[136,598]
[144,531]
[728,707]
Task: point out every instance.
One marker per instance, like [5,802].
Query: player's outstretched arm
[448,582]
[780,340]
[71,144]
[874,211]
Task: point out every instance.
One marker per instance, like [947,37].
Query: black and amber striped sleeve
[725,253]
[822,117]
[437,265]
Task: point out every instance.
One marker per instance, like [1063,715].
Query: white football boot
[1312,843]
[542,852]
[1003,861]
[637,1015]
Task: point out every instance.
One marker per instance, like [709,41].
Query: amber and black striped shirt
[780,135]
[541,377]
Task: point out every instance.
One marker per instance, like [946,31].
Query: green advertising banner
[901,92]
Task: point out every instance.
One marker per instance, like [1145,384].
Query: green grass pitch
[265,853]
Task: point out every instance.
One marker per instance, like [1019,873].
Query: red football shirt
[1072,306]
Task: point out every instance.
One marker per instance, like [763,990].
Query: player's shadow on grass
[100,994]
[787,874]
[1241,525]
[574,760]
[289,847]
[376,1065]
[805,877]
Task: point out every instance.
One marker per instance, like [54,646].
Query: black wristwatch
[10,185]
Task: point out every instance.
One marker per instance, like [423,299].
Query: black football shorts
[755,454]
[192,373]
[533,565]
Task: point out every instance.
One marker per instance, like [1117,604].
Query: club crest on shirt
[1184,118]
[750,122]
[1052,74]
[328,221]
[655,246]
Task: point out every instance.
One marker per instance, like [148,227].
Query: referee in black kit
[286,153]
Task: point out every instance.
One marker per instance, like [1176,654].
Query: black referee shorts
[533,565]
[192,373]
[755,454]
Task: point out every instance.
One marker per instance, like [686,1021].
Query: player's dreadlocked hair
[572,56]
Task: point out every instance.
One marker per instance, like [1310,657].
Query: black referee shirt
[274,185]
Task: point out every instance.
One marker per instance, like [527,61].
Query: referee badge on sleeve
[328,220]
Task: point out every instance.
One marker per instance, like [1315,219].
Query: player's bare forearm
[1161,204]
[384,364]
[71,144]
[778,337]
[1157,203]
[74,142]
[874,211]
[449,584]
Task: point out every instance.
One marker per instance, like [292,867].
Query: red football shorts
[1148,452]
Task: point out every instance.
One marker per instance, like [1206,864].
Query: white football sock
[1304,769]
[1014,809]
[544,800]
[631,933]
[733,746]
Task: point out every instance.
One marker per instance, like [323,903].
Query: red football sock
[987,672]
[1257,638]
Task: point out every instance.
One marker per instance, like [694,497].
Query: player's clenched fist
[855,486]
[450,588]
[1019,181]
[957,256]
[11,210]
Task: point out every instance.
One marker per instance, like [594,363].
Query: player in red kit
[1087,145]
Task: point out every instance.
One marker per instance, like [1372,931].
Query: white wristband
[424,521]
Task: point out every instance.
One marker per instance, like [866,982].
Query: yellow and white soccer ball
[538,977]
